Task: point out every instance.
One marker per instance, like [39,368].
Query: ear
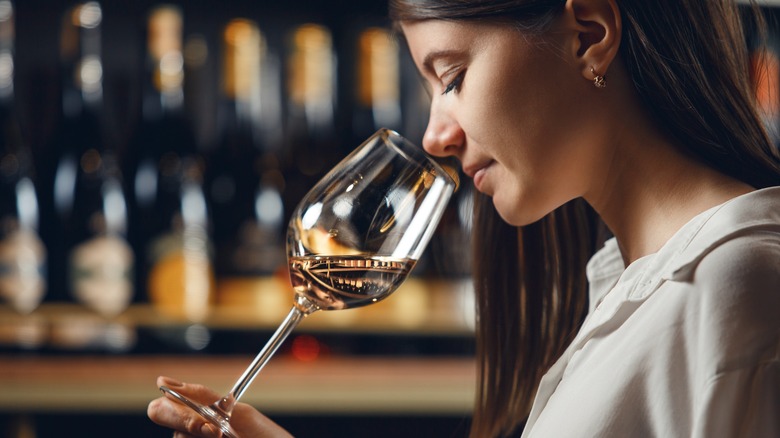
[598,27]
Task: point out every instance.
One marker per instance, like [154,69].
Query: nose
[443,137]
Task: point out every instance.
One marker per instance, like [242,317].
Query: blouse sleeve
[739,340]
[741,403]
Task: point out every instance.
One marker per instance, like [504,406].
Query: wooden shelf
[432,308]
[332,384]
[286,386]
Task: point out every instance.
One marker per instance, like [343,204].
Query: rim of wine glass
[397,140]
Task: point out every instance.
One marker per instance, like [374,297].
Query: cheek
[535,136]
[544,113]
[490,117]
[517,125]
[512,104]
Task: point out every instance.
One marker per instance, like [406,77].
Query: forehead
[430,35]
[437,42]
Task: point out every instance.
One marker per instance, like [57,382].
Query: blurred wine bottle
[312,148]
[88,194]
[22,253]
[166,181]
[377,92]
[244,178]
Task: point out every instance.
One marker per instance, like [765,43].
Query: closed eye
[455,84]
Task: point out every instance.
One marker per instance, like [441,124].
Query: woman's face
[511,108]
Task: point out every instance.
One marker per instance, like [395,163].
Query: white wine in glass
[352,240]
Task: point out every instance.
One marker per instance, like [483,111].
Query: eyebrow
[433,56]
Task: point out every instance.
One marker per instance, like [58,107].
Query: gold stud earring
[598,80]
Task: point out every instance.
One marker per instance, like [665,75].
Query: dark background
[37,97]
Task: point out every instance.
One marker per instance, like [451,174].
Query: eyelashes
[455,84]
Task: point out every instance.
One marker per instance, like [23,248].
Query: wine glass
[352,241]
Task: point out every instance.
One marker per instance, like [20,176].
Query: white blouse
[681,343]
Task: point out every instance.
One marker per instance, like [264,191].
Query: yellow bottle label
[181,279]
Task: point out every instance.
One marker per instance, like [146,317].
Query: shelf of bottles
[152,152]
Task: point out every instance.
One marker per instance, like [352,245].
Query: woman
[634,114]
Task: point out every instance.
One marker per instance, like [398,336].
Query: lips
[477,172]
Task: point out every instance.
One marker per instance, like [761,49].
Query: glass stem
[302,308]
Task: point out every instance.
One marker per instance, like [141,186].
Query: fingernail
[172,383]
[209,430]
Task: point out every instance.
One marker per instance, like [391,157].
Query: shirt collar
[603,271]
[757,210]
[678,258]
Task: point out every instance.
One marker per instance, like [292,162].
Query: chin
[516,215]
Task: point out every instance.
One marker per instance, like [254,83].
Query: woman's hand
[245,420]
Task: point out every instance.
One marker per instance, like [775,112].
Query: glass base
[210,414]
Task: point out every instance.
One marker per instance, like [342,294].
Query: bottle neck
[16,158]
[13,142]
[7,45]
[164,83]
[311,85]
[378,81]
[6,76]
[80,53]
[241,88]
[158,104]
[236,119]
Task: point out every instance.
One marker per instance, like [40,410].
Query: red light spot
[306,348]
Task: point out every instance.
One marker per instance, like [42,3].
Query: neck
[649,189]
[654,193]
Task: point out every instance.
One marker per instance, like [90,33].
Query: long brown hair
[689,62]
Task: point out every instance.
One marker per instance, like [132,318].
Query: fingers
[193,391]
[174,415]
[183,420]
[169,413]
[177,434]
